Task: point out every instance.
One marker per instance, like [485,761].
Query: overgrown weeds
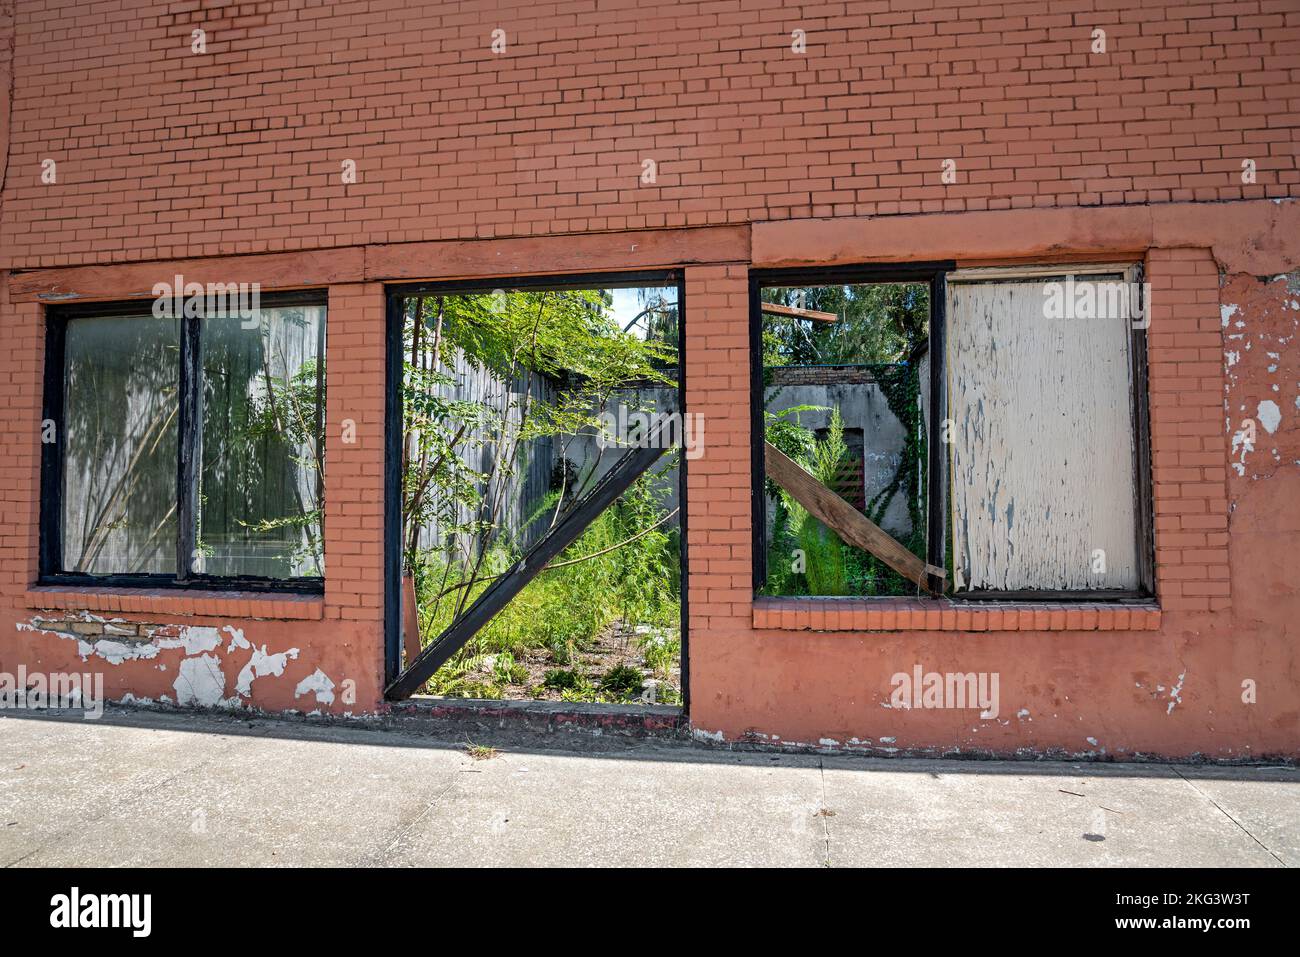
[619,580]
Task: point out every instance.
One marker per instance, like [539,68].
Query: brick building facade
[716,138]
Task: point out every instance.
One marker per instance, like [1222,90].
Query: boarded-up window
[1041,468]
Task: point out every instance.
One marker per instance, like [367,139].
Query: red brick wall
[164,153]
[1188,446]
[1076,680]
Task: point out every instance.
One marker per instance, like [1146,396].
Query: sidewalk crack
[1243,827]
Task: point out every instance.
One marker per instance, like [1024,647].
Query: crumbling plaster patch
[1260,318]
[317,682]
[201,678]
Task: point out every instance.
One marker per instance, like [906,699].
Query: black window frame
[396,295]
[189,426]
[935,274]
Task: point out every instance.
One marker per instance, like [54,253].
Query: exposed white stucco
[317,682]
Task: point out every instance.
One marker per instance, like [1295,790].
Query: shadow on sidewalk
[455,734]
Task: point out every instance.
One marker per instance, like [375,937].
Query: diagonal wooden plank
[845,520]
[795,312]
[495,597]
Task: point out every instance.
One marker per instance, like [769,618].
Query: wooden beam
[498,594]
[845,520]
[794,312]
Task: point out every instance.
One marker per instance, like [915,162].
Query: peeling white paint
[1041,470]
[200,682]
[195,639]
[110,649]
[1241,439]
[1269,415]
[260,665]
[1226,311]
[1176,693]
[317,682]
[699,734]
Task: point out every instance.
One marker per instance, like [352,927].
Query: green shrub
[622,681]
[563,679]
[566,609]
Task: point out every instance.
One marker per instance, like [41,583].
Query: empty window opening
[516,404]
[844,376]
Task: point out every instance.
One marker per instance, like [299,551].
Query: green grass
[565,610]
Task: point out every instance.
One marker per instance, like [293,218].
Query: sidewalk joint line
[1244,829]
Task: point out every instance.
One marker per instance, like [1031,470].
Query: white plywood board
[1042,461]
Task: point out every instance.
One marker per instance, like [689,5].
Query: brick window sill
[188,602]
[937,614]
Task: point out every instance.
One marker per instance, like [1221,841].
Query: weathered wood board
[842,518]
[1041,463]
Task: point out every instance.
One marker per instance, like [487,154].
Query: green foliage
[625,565]
[565,609]
[823,552]
[661,651]
[784,430]
[828,454]
[507,671]
[563,679]
[828,566]
[567,335]
[622,681]
[879,325]
[878,322]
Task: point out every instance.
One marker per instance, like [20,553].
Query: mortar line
[1244,829]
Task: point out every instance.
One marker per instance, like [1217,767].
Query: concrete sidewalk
[139,788]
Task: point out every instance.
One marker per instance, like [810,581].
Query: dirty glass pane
[120,422]
[845,370]
[261,484]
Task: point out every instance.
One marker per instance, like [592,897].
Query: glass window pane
[120,431]
[260,488]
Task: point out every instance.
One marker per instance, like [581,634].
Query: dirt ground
[617,645]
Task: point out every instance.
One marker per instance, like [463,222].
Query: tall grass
[824,558]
